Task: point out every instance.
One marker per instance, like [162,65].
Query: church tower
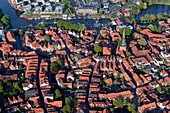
[123,42]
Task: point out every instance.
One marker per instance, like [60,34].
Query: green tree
[118,103]
[43,25]
[147,17]
[20,67]
[123,79]
[22,78]
[159,89]
[82,27]
[71,26]
[159,69]
[159,30]
[118,75]
[155,28]
[74,102]
[100,5]
[38,26]
[145,5]
[66,109]
[111,109]
[57,94]
[139,100]
[1,88]
[68,101]
[152,17]
[165,14]
[159,16]
[131,108]
[151,27]
[33,38]
[21,32]
[28,29]
[127,31]
[141,5]
[150,2]
[9,84]
[142,18]
[97,48]
[6,21]
[128,54]
[57,63]
[142,42]
[16,86]
[105,37]
[47,38]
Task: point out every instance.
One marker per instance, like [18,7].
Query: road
[38,86]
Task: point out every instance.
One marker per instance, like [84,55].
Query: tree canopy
[57,94]
[118,103]
[145,5]
[159,16]
[151,27]
[6,21]
[66,109]
[38,26]
[57,63]
[131,108]
[71,26]
[152,17]
[97,48]
[150,2]
[70,104]
[142,18]
[147,17]
[142,42]
[128,54]
[47,38]
[159,89]
[105,36]
[127,31]
[21,32]
[43,25]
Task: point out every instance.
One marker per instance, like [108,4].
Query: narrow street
[135,102]
[38,86]
[87,92]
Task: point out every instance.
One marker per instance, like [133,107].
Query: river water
[22,23]
[90,23]
[154,9]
